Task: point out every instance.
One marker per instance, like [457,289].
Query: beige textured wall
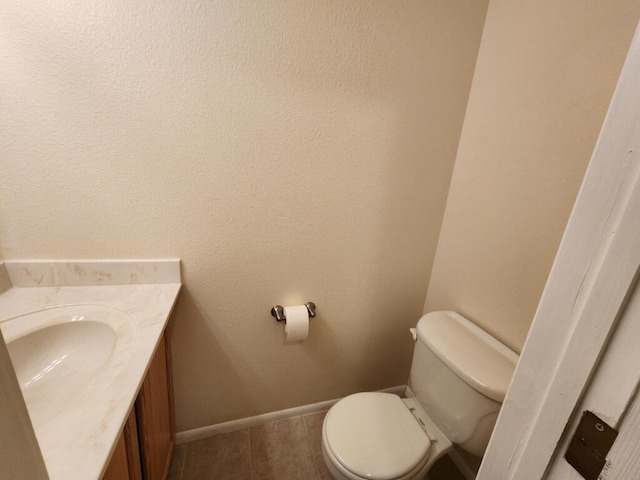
[544,77]
[286,151]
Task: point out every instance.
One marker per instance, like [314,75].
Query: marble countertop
[78,443]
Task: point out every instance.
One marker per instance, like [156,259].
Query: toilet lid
[374,435]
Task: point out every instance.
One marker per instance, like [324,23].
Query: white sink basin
[60,353]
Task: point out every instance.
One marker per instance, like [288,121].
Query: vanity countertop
[78,443]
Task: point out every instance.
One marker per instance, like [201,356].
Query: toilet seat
[375,436]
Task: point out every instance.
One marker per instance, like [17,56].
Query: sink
[59,354]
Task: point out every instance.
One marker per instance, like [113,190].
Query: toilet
[459,377]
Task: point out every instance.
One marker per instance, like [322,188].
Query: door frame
[595,268]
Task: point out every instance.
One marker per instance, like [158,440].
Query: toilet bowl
[379,435]
[459,376]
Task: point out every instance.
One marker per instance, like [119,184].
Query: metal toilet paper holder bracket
[277,311]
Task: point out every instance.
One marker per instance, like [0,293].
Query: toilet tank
[460,375]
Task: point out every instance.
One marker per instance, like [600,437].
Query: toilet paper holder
[277,311]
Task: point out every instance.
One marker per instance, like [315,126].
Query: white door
[612,396]
[582,349]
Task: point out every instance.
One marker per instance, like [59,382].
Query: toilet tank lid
[479,359]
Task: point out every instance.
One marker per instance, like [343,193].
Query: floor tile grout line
[315,465]
[250,461]
[184,461]
[306,431]
[310,442]
[310,445]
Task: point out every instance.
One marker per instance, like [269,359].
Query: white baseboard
[233,425]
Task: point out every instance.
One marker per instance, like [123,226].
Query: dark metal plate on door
[588,450]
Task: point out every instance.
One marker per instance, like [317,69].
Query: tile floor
[283,450]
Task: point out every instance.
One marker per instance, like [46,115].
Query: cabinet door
[130,433]
[154,410]
[125,461]
[118,468]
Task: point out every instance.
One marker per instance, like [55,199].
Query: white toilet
[459,377]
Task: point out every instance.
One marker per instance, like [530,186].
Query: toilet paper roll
[297,325]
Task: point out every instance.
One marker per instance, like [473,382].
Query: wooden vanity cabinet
[118,468]
[125,461]
[144,449]
[154,411]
